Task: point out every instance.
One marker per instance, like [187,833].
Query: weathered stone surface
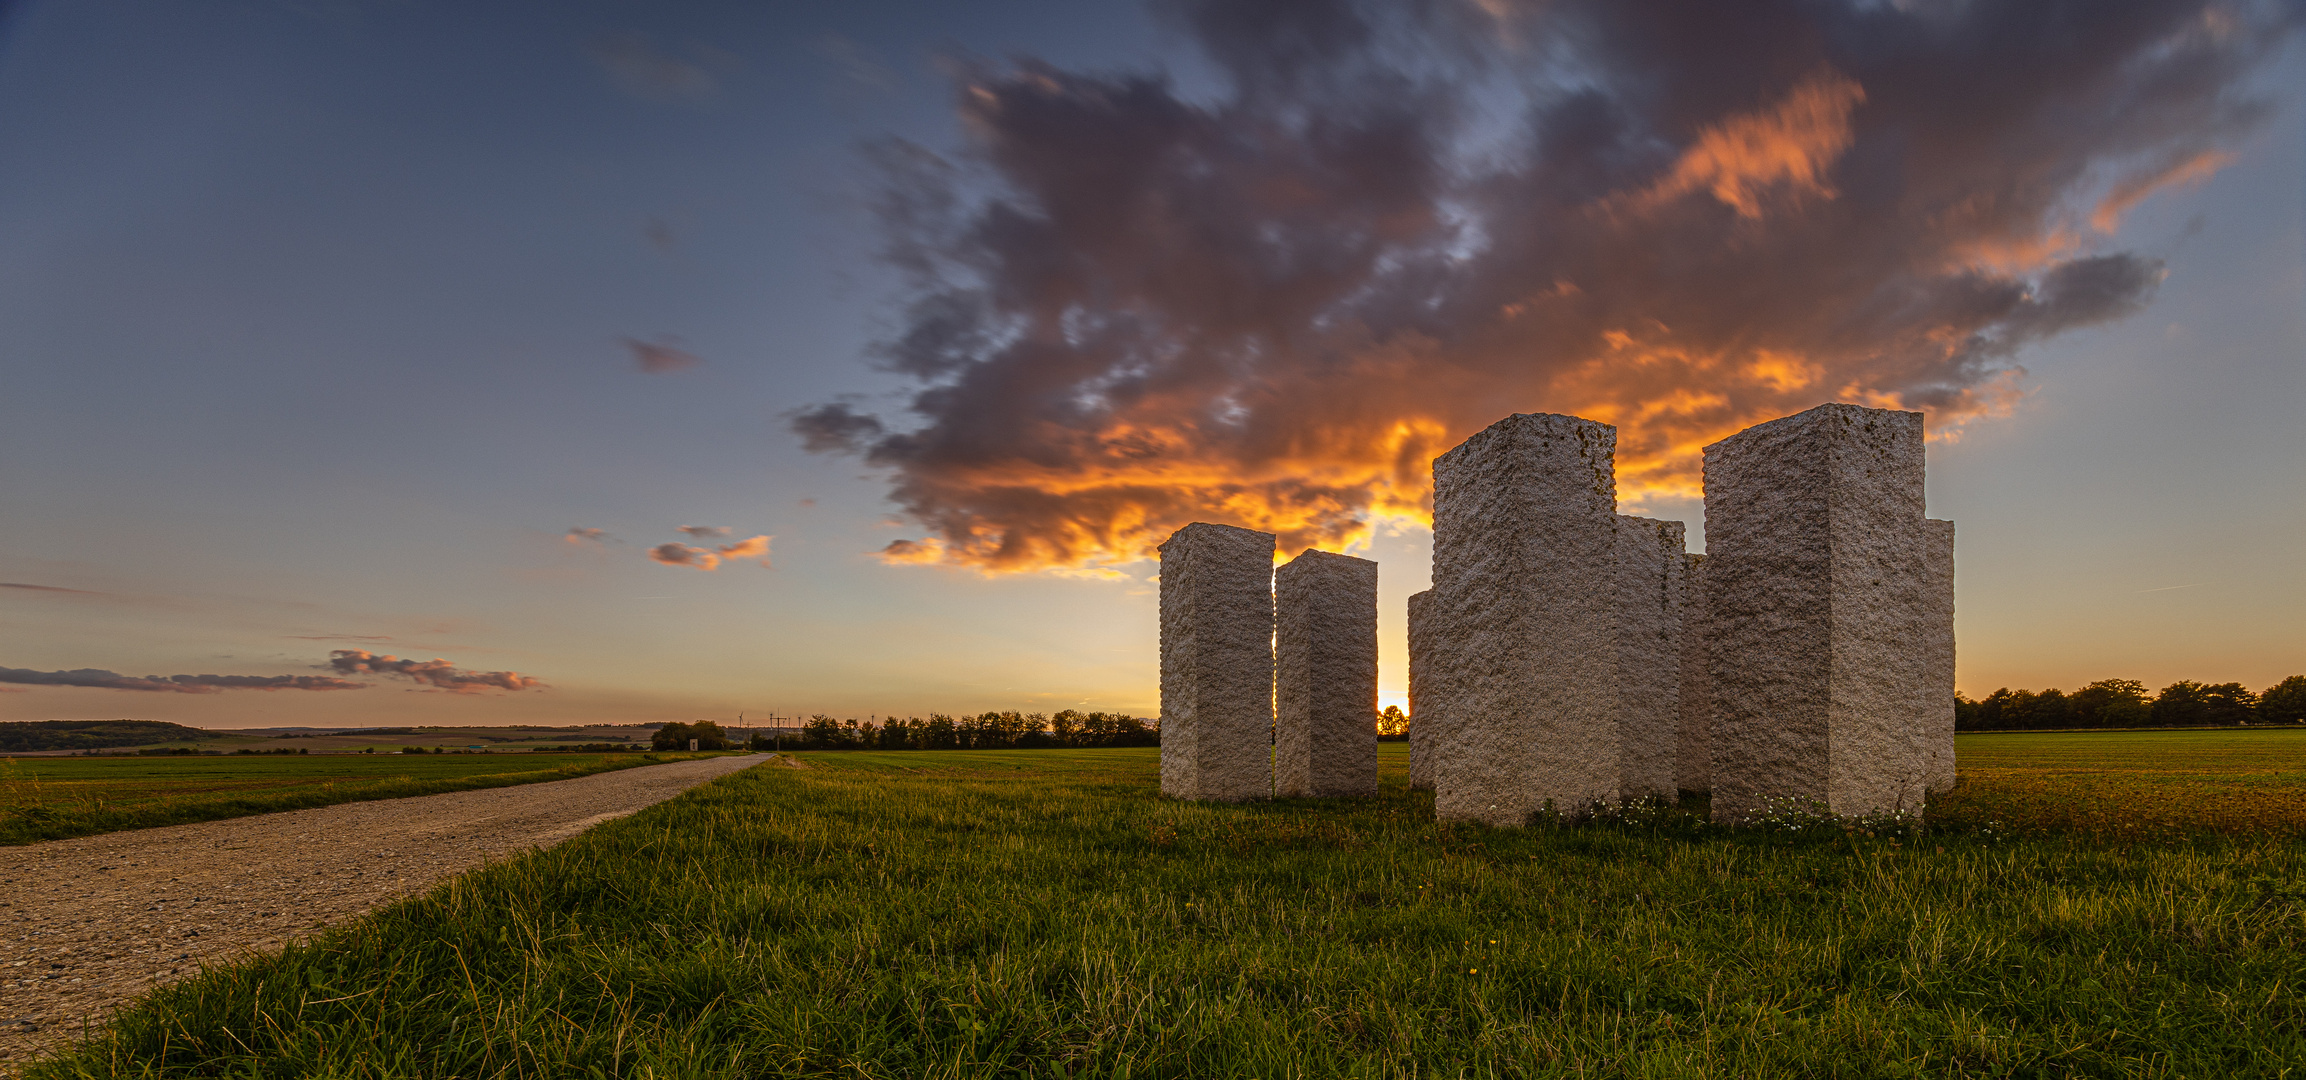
[1815,577]
[1425,705]
[1325,676]
[1938,699]
[1693,756]
[1217,663]
[1650,568]
[1525,602]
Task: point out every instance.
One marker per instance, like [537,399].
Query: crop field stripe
[59,798]
[1045,914]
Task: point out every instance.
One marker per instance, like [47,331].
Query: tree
[825,733]
[709,736]
[2284,702]
[2229,703]
[941,733]
[1392,723]
[2112,703]
[673,736]
[2187,703]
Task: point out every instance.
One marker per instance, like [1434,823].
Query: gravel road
[87,924]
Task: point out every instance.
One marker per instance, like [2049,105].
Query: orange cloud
[2132,190]
[1791,144]
[703,558]
[685,555]
[751,547]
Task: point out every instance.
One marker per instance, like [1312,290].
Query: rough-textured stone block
[1217,663]
[1325,676]
[1815,577]
[1693,756]
[1650,563]
[1425,706]
[1937,702]
[1525,597]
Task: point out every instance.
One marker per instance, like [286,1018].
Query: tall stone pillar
[1525,596]
[1425,704]
[1217,663]
[1650,564]
[1815,571]
[1693,757]
[1937,703]
[1325,676]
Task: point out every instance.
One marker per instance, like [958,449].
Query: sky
[428,363]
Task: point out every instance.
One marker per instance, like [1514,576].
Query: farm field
[345,741]
[1044,913]
[50,798]
[2131,783]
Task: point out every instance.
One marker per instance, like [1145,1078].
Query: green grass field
[56,797]
[2131,783]
[1044,913]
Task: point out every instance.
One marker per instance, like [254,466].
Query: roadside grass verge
[58,798]
[964,914]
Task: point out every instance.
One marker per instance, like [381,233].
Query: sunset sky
[639,362]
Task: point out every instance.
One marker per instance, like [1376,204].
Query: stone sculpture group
[1570,658]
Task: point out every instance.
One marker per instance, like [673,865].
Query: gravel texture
[87,924]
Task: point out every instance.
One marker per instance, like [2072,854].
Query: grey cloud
[435,672]
[1129,308]
[657,359]
[98,678]
[640,68]
[834,428]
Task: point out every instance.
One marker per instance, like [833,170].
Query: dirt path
[86,924]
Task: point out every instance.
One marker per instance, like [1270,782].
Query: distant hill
[17,736]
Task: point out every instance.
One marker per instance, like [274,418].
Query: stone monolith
[1217,663]
[1425,715]
[1937,702]
[1650,567]
[1325,676]
[1815,588]
[1525,602]
[1693,756]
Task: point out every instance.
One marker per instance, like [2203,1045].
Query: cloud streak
[657,359]
[98,678]
[755,548]
[435,672]
[1128,308]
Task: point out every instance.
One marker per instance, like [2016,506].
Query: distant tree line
[708,736]
[19,736]
[982,731]
[2126,703]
